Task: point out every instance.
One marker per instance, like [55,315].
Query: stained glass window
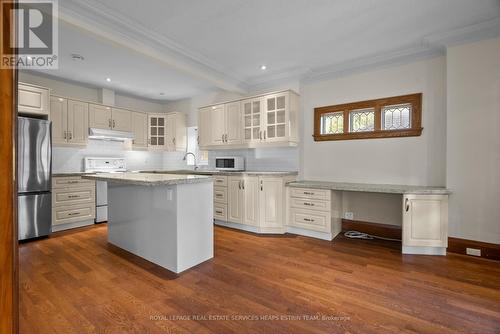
[396,117]
[362,120]
[332,123]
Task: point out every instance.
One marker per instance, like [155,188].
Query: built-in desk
[425,210]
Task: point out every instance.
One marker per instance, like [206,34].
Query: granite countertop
[148,179]
[217,172]
[373,188]
[62,174]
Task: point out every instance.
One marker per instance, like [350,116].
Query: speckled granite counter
[148,179]
[216,172]
[372,188]
[63,174]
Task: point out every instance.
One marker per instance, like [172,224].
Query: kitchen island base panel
[171,226]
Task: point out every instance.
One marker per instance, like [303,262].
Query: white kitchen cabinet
[232,120]
[73,202]
[204,127]
[425,222]
[167,131]
[70,121]
[251,200]
[252,121]
[271,201]
[32,99]
[176,136]
[100,117]
[217,125]
[78,122]
[262,121]
[235,199]
[139,129]
[121,119]
[157,130]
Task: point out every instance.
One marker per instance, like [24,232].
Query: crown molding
[102,21]
[105,23]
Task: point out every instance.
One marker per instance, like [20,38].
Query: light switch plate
[473,251]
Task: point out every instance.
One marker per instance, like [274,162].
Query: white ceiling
[185,47]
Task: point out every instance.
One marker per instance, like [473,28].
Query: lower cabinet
[73,202]
[256,202]
[425,224]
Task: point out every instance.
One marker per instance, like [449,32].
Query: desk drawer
[220,211]
[71,181]
[220,181]
[73,213]
[69,196]
[310,220]
[310,204]
[220,195]
[321,194]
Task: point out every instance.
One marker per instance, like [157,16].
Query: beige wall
[473,140]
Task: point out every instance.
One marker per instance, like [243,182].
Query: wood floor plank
[75,282]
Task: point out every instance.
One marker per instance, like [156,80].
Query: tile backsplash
[70,159]
[262,159]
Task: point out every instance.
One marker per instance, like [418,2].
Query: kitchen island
[164,218]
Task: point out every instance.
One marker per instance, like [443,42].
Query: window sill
[370,134]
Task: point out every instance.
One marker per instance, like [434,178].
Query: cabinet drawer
[71,181]
[220,195]
[220,181]
[73,213]
[311,220]
[310,204]
[320,194]
[220,211]
[69,196]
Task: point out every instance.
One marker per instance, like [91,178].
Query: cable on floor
[365,236]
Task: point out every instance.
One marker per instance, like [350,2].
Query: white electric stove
[103,165]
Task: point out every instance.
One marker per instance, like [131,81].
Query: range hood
[106,134]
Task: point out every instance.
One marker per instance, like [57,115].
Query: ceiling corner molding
[101,21]
[470,33]
[372,62]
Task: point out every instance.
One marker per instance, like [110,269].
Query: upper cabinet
[167,131]
[70,121]
[139,129]
[104,117]
[266,120]
[33,100]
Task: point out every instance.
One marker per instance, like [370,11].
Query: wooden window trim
[416,118]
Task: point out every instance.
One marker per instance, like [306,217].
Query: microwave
[230,163]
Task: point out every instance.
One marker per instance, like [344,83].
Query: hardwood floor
[76,282]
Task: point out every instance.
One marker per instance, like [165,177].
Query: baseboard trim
[488,250]
[380,230]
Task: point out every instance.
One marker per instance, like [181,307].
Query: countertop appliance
[34,184]
[230,163]
[103,165]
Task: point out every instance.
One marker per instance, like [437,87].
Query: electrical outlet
[349,215]
[473,251]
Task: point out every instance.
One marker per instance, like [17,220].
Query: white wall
[473,140]
[410,160]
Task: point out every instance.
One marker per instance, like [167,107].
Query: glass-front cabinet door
[157,124]
[276,108]
[252,121]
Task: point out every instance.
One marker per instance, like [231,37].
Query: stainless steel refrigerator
[34,166]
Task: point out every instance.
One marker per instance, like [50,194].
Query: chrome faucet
[194,158]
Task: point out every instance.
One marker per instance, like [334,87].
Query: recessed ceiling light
[162,94]
[263,67]
[76,56]
[108,79]
[29,58]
